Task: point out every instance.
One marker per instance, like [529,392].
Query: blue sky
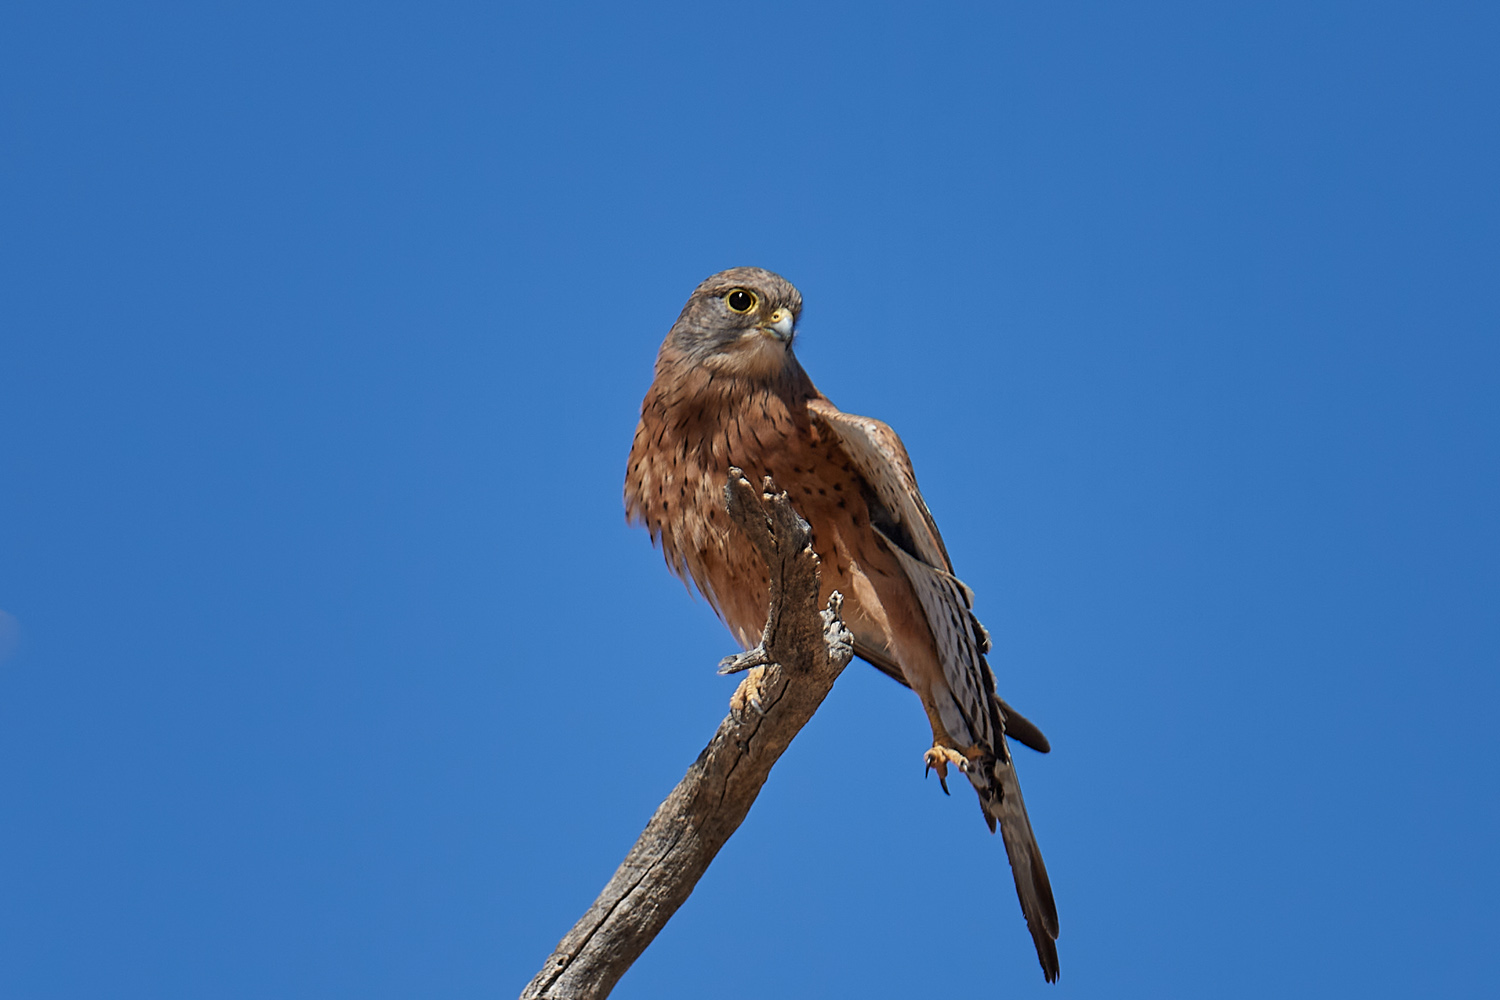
[332,669]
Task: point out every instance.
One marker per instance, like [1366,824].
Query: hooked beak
[780,326]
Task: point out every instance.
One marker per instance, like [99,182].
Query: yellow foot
[751,693]
[938,759]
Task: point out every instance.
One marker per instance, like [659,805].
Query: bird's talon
[750,694]
[938,759]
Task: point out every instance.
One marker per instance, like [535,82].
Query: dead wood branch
[801,654]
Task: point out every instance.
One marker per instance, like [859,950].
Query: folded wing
[898,512]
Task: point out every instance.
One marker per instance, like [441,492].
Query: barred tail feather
[1002,802]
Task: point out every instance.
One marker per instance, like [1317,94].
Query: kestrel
[729,392]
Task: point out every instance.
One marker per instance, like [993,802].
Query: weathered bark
[801,654]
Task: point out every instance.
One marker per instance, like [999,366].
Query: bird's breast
[679,464]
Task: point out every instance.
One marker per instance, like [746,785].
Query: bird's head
[739,322]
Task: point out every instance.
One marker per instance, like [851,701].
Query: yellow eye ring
[741,300]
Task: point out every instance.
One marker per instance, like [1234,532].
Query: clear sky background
[332,669]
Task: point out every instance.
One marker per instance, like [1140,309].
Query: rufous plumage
[729,391]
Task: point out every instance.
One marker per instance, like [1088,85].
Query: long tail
[1000,796]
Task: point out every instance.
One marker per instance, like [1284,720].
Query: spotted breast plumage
[728,392]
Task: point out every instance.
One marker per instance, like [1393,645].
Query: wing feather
[1017,726]
[912,534]
[903,520]
[947,605]
[881,458]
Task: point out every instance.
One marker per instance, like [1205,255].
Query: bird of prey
[728,392]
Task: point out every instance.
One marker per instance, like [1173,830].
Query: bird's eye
[740,301]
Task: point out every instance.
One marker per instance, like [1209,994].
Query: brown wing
[960,641]
[1017,726]
[902,517]
[899,513]
[881,458]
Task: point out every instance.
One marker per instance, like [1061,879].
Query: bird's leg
[751,693]
[938,759]
[944,751]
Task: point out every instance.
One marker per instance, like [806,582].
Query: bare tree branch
[801,654]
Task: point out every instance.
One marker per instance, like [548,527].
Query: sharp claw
[938,759]
[941,767]
[750,696]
